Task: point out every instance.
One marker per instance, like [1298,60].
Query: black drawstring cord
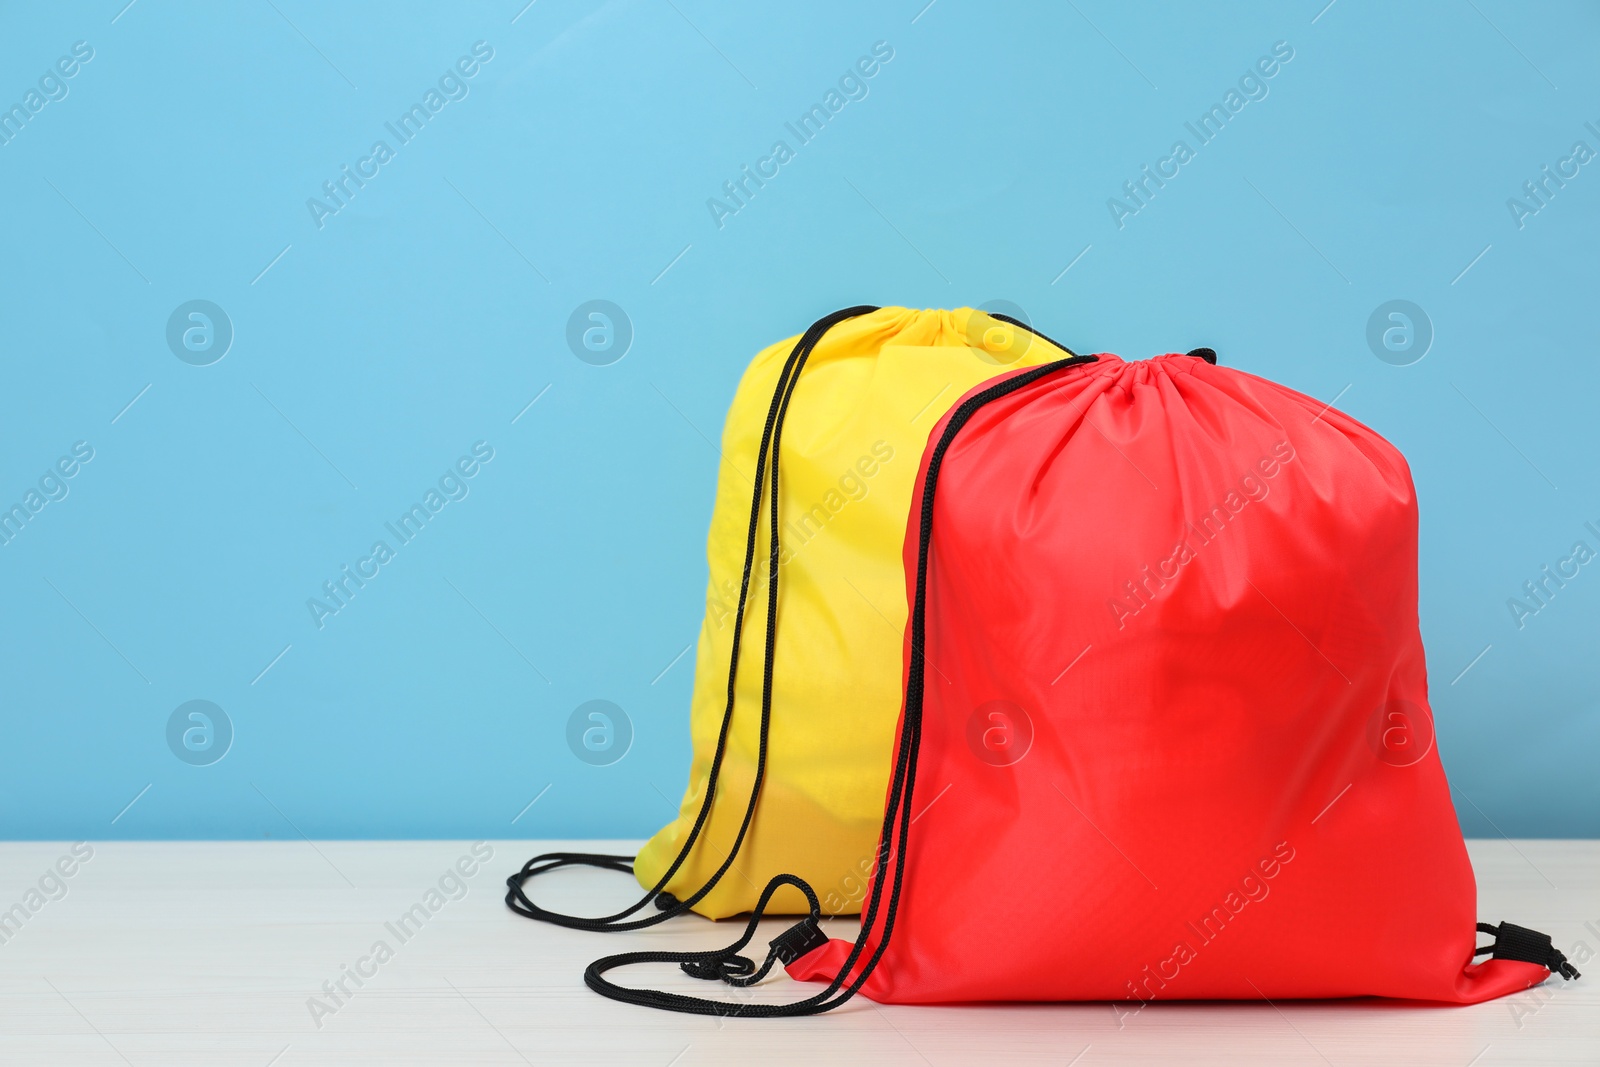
[805,936]
[787,947]
[549,861]
[724,964]
[1513,942]
[516,896]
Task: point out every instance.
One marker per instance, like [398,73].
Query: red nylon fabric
[1176,738]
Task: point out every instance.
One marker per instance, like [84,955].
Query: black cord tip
[1513,942]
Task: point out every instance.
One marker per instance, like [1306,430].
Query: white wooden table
[208,953]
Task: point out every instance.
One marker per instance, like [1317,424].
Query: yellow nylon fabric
[870,394]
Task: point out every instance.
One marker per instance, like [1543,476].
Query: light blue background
[378,348]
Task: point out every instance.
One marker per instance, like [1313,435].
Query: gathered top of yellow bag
[852,437]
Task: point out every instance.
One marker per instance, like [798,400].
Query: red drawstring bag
[1166,730]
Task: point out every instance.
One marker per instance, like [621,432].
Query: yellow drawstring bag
[847,408]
